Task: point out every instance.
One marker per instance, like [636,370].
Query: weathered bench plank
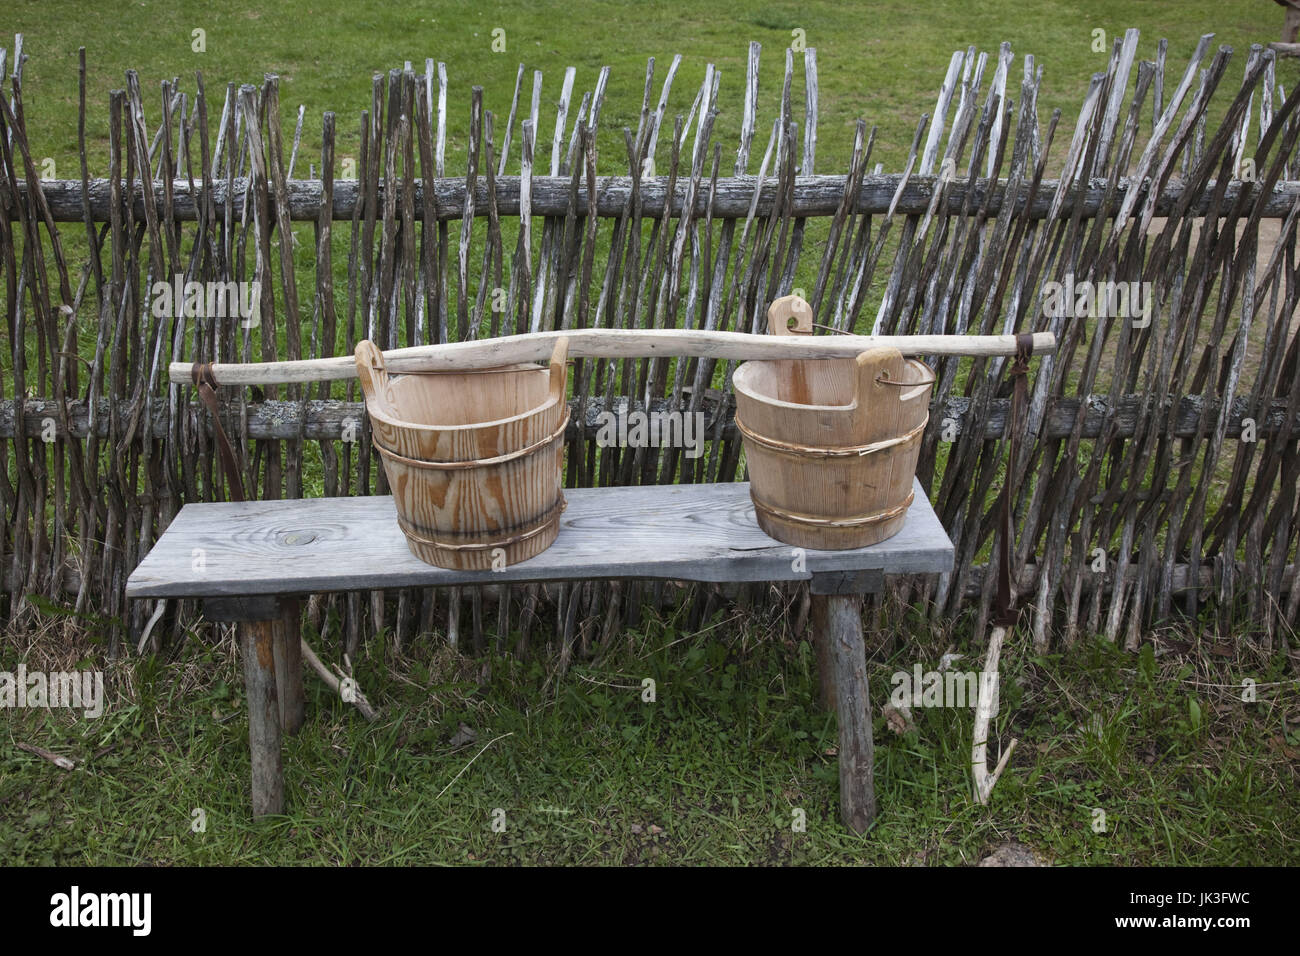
[673,532]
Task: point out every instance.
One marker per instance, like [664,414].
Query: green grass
[881,61]
[582,770]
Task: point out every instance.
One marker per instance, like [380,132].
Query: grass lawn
[579,768]
[882,61]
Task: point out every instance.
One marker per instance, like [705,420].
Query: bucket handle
[376,385]
[789,315]
[882,367]
[559,369]
[928,378]
[373,374]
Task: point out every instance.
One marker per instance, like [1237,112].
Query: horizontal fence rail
[334,419]
[732,199]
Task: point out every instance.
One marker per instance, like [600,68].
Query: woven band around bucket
[849,451]
[477,462]
[541,524]
[858,521]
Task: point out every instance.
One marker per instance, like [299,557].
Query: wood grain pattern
[670,532]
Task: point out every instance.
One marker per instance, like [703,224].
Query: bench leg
[842,652]
[271,648]
[257,645]
[286,645]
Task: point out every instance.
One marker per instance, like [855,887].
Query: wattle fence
[1154,233]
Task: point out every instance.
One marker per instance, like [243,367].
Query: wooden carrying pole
[608,343]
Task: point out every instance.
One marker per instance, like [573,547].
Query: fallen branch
[358,699]
[63,763]
[148,628]
[471,761]
[988,695]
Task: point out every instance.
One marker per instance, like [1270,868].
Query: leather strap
[206,383]
[1005,611]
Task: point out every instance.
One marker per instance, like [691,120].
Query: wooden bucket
[473,458]
[831,444]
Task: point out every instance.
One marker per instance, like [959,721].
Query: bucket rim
[375,384]
[737,381]
[551,401]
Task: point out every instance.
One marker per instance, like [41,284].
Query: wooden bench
[250,563]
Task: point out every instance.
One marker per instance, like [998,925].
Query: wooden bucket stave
[831,445]
[474,459]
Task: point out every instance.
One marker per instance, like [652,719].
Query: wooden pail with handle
[473,458]
[832,444]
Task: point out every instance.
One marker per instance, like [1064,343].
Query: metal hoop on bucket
[857,521]
[849,451]
[477,462]
[545,524]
